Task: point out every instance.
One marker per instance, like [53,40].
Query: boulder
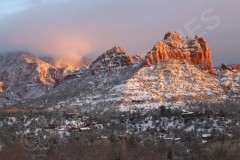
[2,87]
[227,84]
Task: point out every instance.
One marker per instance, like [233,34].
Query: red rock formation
[2,87]
[112,58]
[225,67]
[236,67]
[230,68]
[175,46]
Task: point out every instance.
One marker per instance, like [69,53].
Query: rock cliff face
[230,68]
[113,58]
[175,46]
[236,67]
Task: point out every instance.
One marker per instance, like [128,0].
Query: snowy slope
[170,83]
[230,81]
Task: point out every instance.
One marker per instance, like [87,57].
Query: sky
[76,28]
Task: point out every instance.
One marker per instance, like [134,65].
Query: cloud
[69,28]
[10,7]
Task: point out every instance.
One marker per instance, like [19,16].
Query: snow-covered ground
[230,81]
[169,83]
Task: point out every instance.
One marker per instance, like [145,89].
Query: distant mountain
[177,72]
[26,76]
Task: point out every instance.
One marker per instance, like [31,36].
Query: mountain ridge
[177,62]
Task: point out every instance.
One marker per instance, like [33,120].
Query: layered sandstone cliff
[176,46]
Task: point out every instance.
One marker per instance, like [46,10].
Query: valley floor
[196,132]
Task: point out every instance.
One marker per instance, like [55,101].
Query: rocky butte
[176,46]
[114,58]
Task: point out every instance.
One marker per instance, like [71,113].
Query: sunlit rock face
[236,67]
[230,68]
[27,68]
[27,76]
[176,46]
[2,87]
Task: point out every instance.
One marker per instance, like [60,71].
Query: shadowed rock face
[225,67]
[175,46]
